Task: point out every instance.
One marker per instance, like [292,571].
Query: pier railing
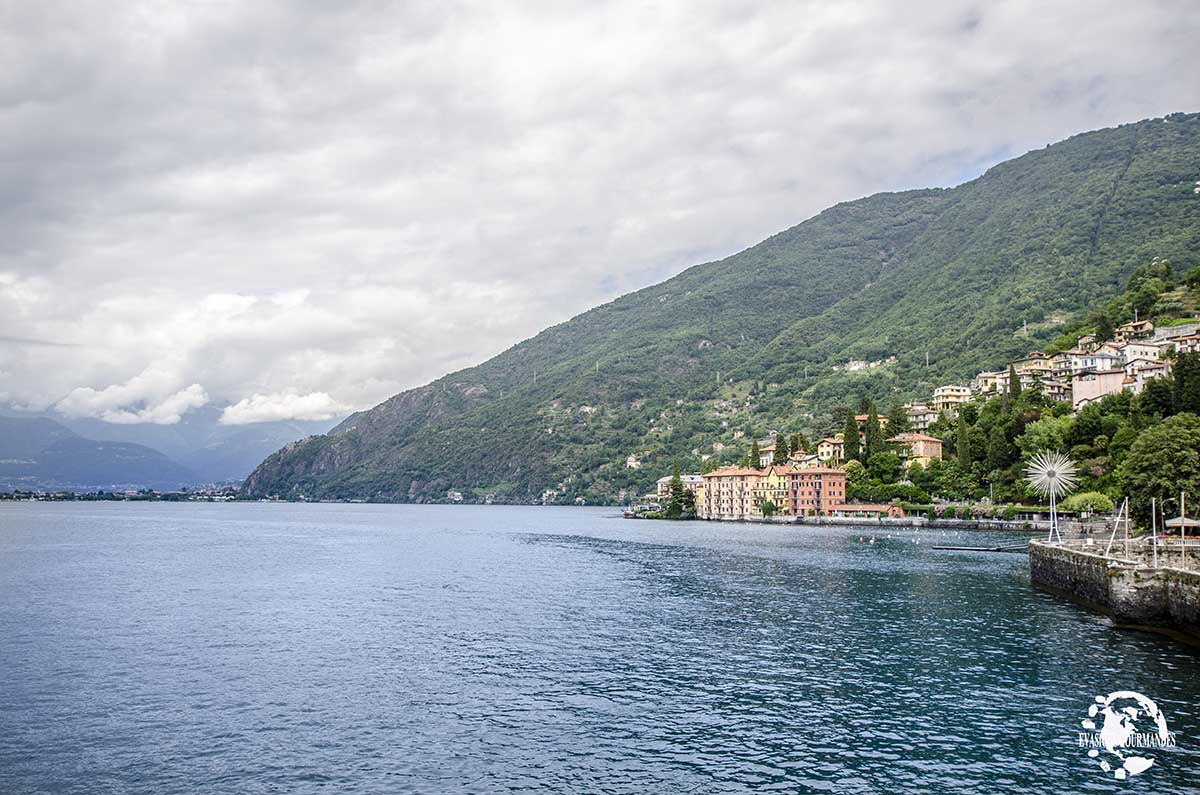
[1144,551]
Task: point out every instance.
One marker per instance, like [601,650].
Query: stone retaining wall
[1129,592]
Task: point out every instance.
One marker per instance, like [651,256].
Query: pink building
[1091,386]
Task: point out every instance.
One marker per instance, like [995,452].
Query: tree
[781,451]
[1158,397]
[799,443]
[850,450]
[885,467]
[999,450]
[1187,383]
[857,479]
[1035,391]
[1104,328]
[873,435]
[897,420]
[755,455]
[963,443]
[1144,298]
[1048,433]
[687,505]
[675,504]
[1088,501]
[1014,383]
[768,508]
[1163,461]
[1192,279]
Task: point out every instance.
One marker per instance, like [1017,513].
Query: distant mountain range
[38,453]
[52,452]
[948,282]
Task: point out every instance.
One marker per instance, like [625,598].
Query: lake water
[247,648]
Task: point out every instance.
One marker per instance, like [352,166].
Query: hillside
[40,454]
[969,276]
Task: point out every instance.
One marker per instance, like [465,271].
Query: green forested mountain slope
[971,276]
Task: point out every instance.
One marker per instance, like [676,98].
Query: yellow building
[917,448]
[772,485]
[728,493]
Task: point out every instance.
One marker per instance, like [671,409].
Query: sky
[293,210]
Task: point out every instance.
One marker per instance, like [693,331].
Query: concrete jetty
[1125,584]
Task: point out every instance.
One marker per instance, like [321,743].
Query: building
[1086,342]
[1060,364]
[805,460]
[1140,349]
[1087,361]
[772,485]
[1034,368]
[739,493]
[690,482]
[917,448]
[1091,387]
[766,454]
[816,491]
[1135,330]
[727,493]
[948,398]
[921,415]
[1171,333]
[990,383]
[1057,389]
[1187,344]
[831,448]
[869,510]
[1140,371]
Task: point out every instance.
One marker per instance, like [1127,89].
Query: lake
[253,648]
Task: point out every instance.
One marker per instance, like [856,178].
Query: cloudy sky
[295,209]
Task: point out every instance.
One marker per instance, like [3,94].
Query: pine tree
[1104,328]
[798,444]
[1036,391]
[1014,383]
[675,506]
[781,450]
[898,421]
[999,454]
[850,451]
[963,446]
[873,435]
[755,455]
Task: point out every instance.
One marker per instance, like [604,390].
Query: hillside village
[790,476]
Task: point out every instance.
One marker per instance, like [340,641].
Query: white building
[948,398]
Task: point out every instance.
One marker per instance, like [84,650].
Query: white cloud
[283,406]
[126,404]
[350,199]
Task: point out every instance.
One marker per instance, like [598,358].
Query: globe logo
[1120,728]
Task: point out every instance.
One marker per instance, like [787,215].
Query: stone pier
[1129,590]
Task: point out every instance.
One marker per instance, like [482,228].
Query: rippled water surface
[171,648]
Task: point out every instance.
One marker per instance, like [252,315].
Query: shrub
[1089,501]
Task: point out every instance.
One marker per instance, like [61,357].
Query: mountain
[965,278]
[39,454]
[216,453]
